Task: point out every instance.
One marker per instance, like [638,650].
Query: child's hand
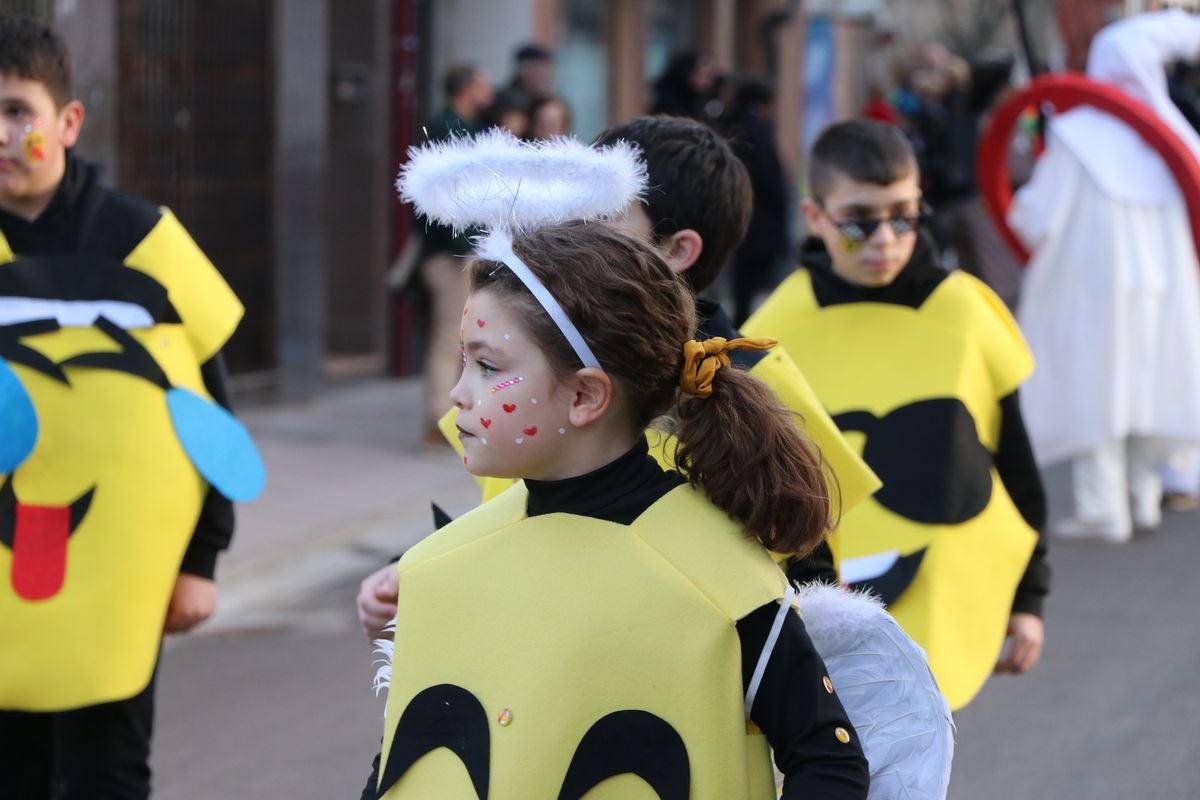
[193,601]
[1027,634]
[377,602]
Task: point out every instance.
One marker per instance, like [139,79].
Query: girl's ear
[593,393]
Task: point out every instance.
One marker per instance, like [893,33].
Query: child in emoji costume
[693,221]
[921,367]
[696,217]
[626,626]
[117,460]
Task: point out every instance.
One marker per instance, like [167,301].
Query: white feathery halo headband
[496,181]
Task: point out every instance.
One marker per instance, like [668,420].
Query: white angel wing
[883,680]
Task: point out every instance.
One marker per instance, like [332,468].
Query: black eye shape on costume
[441,716]
[928,454]
[132,358]
[630,742]
[623,742]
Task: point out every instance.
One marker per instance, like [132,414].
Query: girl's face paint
[511,404]
[507,383]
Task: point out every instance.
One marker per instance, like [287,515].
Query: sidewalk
[349,484]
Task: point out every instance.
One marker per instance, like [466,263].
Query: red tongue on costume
[40,550]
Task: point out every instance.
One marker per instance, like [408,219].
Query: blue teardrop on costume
[218,445]
[18,420]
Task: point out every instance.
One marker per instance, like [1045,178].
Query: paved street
[273,699]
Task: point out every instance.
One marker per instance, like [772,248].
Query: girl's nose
[459,395]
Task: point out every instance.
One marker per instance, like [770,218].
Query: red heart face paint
[509,408]
[530,431]
[487,423]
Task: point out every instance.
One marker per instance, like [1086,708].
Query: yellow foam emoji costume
[529,663]
[108,456]
[917,391]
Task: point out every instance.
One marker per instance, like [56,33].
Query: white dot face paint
[562,430]
[533,401]
[520,440]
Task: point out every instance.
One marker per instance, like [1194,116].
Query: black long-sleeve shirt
[88,218]
[1013,458]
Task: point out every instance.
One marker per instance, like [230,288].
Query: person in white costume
[1111,307]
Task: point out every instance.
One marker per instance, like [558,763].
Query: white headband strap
[497,246]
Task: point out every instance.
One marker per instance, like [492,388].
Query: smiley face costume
[632,688]
[922,376]
[112,441]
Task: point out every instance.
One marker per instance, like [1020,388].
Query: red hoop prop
[1065,92]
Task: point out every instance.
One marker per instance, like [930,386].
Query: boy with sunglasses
[920,367]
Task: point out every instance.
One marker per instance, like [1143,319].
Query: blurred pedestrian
[468,91]
[879,108]
[117,461]
[686,86]
[505,114]
[750,125]
[549,117]
[1111,305]
[533,77]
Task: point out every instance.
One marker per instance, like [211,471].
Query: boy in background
[920,367]
[111,320]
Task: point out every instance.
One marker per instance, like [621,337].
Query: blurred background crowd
[232,112]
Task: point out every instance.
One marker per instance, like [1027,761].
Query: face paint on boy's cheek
[33,143]
[850,244]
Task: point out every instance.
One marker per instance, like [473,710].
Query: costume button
[505,718]
[842,735]
[828,684]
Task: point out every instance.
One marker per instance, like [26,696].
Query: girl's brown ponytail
[746,451]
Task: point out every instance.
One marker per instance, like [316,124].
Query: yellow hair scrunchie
[701,360]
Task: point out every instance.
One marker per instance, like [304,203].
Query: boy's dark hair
[861,150]
[33,52]
[695,181]
[458,78]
